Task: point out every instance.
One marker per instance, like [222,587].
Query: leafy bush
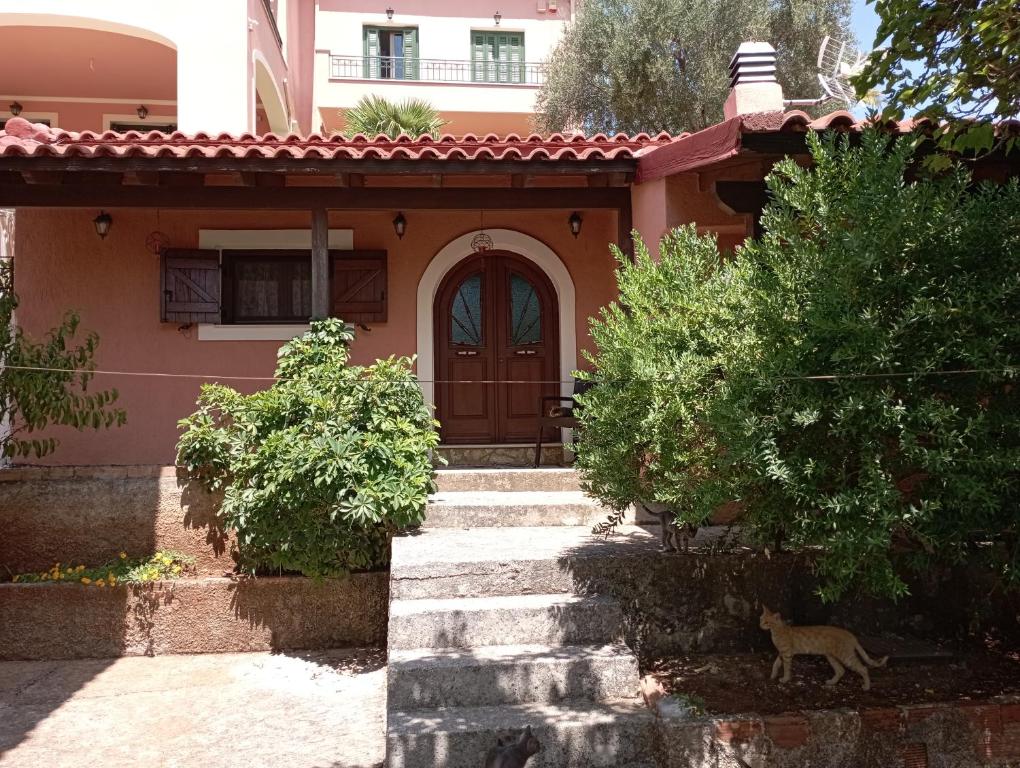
[647,434]
[320,469]
[902,295]
[55,391]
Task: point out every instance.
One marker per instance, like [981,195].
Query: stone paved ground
[320,709]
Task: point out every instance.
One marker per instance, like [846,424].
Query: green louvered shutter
[478,57]
[410,54]
[371,39]
[515,58]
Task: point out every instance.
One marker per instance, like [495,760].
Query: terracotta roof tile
[24,139]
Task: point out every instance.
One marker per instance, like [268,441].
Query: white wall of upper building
[444,47]
[228,59]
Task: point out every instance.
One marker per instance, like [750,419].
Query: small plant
[163,565]
[691,702]
[46,383]
[319,470]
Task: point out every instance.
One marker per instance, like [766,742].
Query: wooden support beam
[624,225]
[356,180]
[322,167]
[272,180]
[320,264]
[141,178]
[42,177]
[188,180]
[437,181]
[517,180]
[747,197]
[307,198]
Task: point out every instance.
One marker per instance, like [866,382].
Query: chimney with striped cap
[753,84]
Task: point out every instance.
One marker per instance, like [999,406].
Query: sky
[864,22]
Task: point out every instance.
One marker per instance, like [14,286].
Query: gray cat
[513,753]
[672,534]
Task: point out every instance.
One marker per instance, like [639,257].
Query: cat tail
[868,660]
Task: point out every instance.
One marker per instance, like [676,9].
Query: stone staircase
[486,634]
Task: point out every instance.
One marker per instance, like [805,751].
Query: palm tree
[374,115]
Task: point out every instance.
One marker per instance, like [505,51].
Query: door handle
[466,353]
[525,352]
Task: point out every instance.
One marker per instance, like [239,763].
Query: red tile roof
[722,141]
[24,139]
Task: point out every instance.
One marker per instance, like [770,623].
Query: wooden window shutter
[358,286]
[480,59]
[371,40]
[190,286]
[515,55]
[411,54]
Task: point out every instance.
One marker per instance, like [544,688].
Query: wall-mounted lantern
[575,222]
[497,17]
[400,225]
[389,13]
[102,223]
[142,112]
[15,108]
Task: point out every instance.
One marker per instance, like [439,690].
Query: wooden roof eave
[319,166]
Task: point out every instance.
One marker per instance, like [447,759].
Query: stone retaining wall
[710,602]
[953,735]
[90,514]
[204,615]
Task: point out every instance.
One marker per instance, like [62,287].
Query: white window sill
[212,332]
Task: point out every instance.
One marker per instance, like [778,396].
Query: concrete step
[502,455]
[620,734]
[507,479]
[456,562]
[509,674]
[492,509]
[515,620]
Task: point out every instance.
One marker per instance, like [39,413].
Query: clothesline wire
[215,377]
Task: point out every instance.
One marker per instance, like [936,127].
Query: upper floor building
[257,66]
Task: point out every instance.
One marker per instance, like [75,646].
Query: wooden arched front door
[497,349]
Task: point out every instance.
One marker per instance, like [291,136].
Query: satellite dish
[838,61]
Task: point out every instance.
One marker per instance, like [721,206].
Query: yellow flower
[100,583]
[123,555]
[112,579]
[80,568]
[16,577]
[86,580]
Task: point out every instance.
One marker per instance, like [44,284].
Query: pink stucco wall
[114,284]
[673,201]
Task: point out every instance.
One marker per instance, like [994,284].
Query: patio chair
[562,416]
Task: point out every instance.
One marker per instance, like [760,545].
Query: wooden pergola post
[320,264]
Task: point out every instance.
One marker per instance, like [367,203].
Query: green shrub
[904,293]
[647,436]
[320,469]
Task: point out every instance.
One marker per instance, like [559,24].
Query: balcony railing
[435,70]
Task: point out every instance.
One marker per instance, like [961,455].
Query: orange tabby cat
[837,645]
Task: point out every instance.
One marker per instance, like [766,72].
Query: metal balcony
[435,70]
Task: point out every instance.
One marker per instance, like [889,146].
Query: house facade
[261,66]
[482,253]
